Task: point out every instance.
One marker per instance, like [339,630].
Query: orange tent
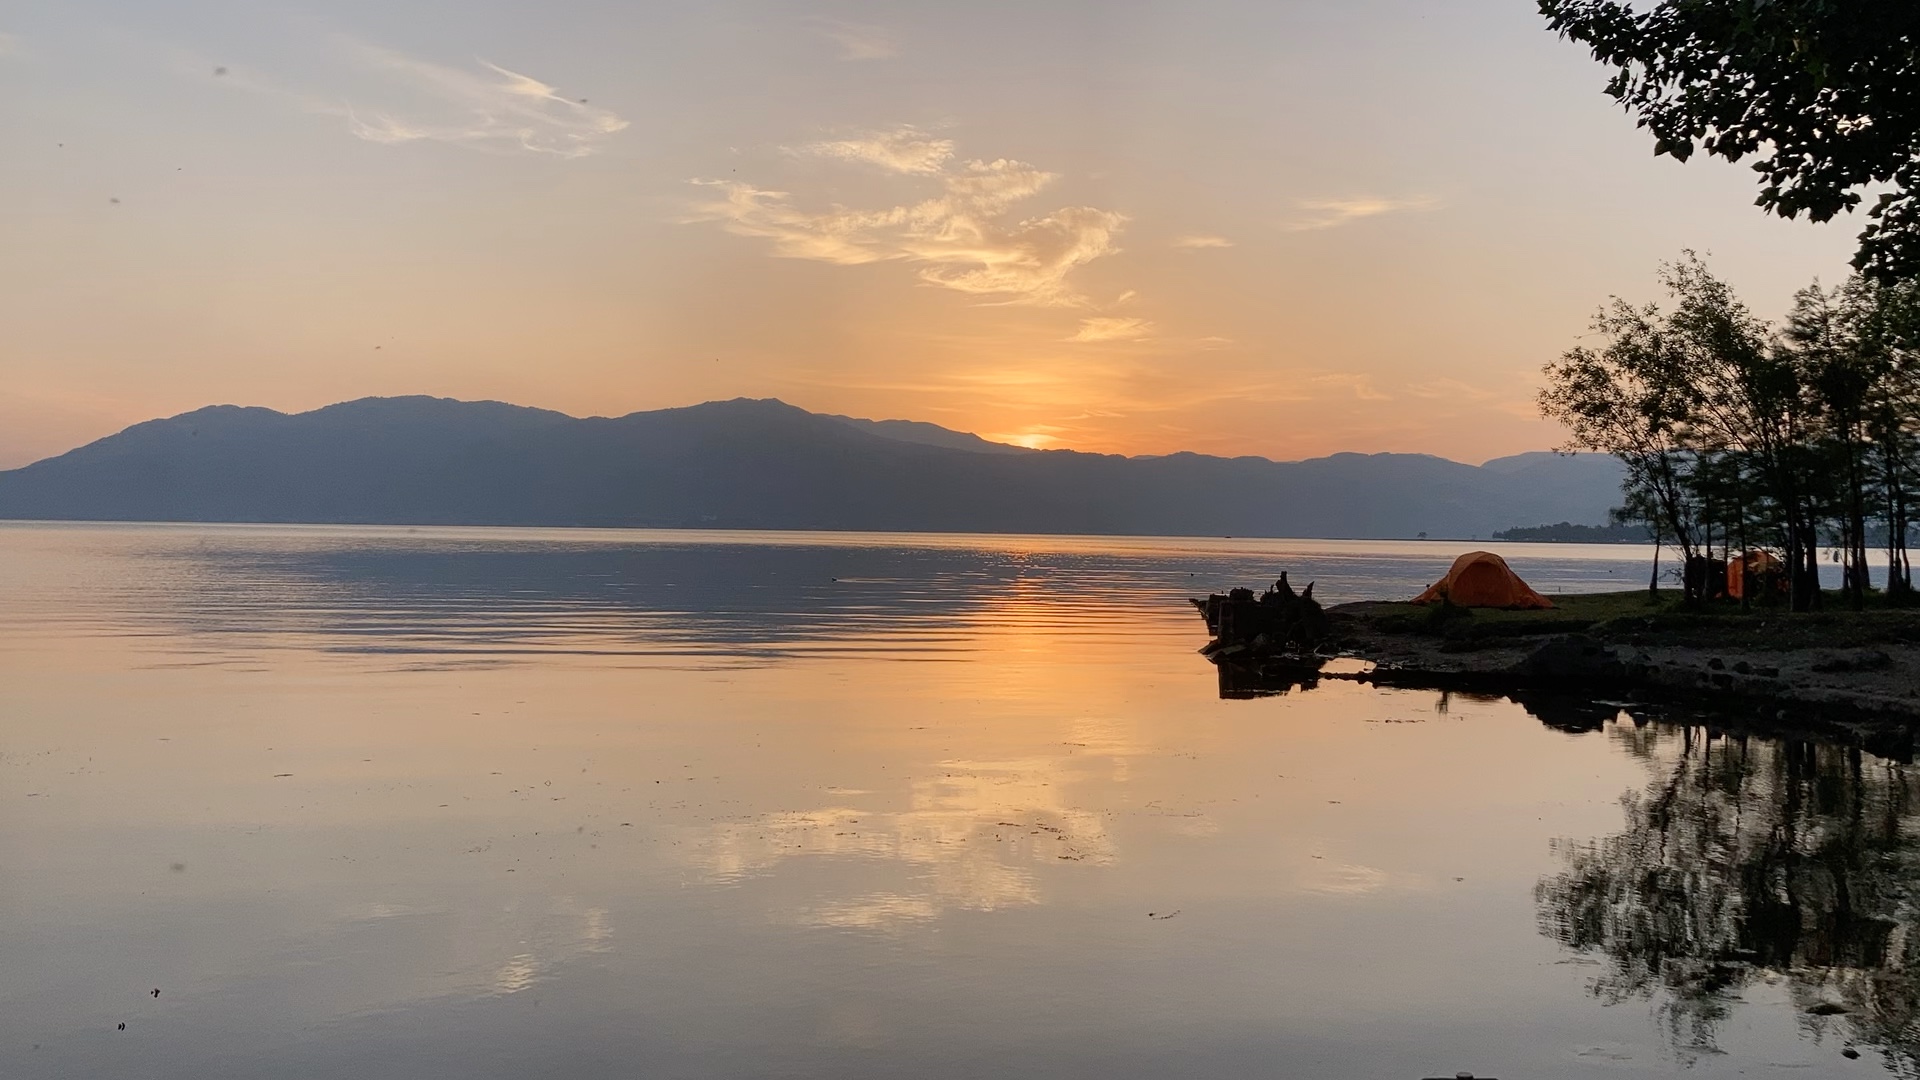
[1761,566]
[1483,579]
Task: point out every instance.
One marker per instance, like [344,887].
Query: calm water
[511,803]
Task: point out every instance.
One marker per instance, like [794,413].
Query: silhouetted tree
[1630,399]
[1821,92]
[1885,325]
[1735,432]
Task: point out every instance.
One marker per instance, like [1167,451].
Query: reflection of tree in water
[1754,860]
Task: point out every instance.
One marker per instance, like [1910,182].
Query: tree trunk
[1857,527]
[1746,581]
[1810,543]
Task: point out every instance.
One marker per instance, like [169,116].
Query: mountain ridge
[757,463]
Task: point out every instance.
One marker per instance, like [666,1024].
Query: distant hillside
[919,431]
[757,464]
[1569,533]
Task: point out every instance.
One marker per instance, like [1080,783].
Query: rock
[1742,667]
[1573,658]
[1717,664]
[1853,660]
[1850,1053]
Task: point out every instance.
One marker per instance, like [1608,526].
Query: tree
[1643,509]
[1884,322]
[1821,337]
[1745,405]
[1629,399]
[1825,94]
[1739,432]
[1684,398]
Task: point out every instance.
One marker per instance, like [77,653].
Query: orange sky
[1282,229]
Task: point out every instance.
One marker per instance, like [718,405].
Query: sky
[1283,228]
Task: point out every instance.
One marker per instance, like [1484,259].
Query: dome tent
[1483,579]
[1761,568]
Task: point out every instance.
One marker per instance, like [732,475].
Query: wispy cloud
[1105,328]
[859,41]
[1331,213]
[1448,390]
[500,109]
[486,107]
[1194,243]
[904,149]
[1359,385]
[964,237]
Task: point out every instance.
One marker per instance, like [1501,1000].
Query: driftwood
[1279,622]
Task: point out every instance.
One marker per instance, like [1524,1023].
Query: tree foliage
[1823,94]
[1751,435]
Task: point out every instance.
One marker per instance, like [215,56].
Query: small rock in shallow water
[1849,1053]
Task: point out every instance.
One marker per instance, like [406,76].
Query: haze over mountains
[759,464]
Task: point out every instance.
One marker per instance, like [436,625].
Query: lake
[424,803]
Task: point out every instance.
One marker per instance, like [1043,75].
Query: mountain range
[763,464]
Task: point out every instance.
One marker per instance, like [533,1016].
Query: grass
[1631,618]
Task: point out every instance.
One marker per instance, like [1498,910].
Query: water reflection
[517,804]
[1748,862]
[1566,712]
[468,597]
[1239,682]
[969,840]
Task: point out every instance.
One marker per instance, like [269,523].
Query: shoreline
[1828,672]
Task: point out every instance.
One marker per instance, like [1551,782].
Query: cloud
[1105,328]
[860,41]
[506,109]
[1196,242]
[963,237]
[1330,213]
[487,108]
[1445,389]
[1361,386]
[904,149]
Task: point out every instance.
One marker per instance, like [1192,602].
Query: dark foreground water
[464,803]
